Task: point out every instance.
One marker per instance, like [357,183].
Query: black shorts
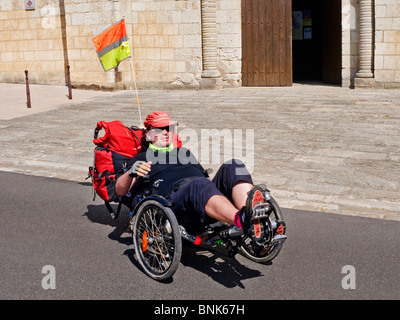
[189,201]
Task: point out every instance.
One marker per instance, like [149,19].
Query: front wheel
[157,240]
[251,250]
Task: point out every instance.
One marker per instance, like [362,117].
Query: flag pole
[133,77]
[136,91]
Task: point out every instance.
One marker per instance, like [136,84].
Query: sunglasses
[167,128]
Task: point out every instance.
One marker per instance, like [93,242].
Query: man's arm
[128,179]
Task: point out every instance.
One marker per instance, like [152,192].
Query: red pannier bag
[111,156]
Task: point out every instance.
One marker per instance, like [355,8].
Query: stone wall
[350,31]
[165,38]
[50,37]
[84,19]
[168,42]
[229,41]
[31,40]
[387,43]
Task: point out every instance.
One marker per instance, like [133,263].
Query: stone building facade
[179,43]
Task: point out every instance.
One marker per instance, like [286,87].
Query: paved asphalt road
[47,221]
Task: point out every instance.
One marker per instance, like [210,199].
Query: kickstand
[110,209]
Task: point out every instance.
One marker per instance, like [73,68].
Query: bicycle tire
[157,240]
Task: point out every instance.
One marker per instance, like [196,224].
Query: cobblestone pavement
[319,148]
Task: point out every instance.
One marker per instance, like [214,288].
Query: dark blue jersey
[167,169]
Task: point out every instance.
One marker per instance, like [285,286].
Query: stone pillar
[365,76]
[210,77]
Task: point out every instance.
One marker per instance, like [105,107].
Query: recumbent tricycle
[157,236]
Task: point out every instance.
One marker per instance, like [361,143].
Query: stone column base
[210,83]
[364,83]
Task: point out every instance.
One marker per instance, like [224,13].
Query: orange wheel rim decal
[144,241]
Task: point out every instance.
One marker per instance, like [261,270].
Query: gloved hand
[140,169]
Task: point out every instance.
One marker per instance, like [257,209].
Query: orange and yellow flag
[112,45]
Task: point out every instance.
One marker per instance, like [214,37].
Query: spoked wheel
[157,240]
[273,225]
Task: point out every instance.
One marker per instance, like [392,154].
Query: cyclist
[175,174]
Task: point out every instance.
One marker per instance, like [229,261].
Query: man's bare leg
[239,193]
[220,208]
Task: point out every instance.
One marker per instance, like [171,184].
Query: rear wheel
[252,250]
[157,240]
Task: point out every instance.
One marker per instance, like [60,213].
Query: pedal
[278,239]
[262,210]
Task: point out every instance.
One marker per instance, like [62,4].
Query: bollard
[28,93]
[69,83]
